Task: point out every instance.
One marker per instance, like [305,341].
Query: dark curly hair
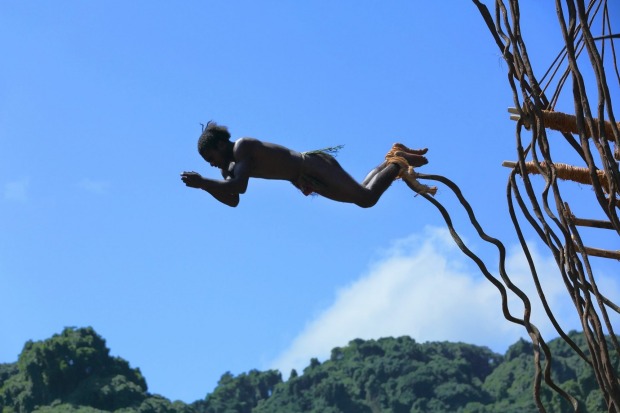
[211,136]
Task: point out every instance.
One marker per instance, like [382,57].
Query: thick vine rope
[590,130]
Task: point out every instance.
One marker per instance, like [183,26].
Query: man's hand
[195,180]
[192,179]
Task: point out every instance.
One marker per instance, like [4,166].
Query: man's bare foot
[413,159]
[400,147]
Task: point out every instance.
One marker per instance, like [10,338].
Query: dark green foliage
[510,384]
[240,394]
[74,373]
[7,370]
[388,375]
[74,366]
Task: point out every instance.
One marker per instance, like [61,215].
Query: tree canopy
[73,372]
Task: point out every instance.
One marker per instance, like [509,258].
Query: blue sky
[100,109]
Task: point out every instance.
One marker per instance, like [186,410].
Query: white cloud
[425,287]
[17,190]
[96,187]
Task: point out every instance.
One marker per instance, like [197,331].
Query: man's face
[215,157]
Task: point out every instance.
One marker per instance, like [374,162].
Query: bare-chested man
[311,172]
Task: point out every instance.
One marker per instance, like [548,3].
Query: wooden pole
[564,122]
[568,123]
[565,172]
[593,223]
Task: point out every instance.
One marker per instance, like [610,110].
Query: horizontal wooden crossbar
[593,223]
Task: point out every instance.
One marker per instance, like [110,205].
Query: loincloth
[307,184]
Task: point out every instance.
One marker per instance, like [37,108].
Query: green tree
[240,394]
[395,375]
[73,373]
[75,367]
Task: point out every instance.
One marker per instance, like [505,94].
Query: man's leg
[335,183]
[338,185]
[372,174]
[398,148]
[382,177]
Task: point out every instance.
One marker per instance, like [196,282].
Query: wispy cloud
[427,289]
[17,190]
[94,186]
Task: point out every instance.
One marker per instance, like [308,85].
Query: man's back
[268,160]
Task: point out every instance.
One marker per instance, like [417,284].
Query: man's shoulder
[246,143]
[244,148]
[252,146]
[246,140]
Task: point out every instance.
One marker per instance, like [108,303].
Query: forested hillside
[73,372]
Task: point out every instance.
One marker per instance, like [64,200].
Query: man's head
[213,144]
[211,136]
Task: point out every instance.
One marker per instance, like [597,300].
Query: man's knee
[367,202]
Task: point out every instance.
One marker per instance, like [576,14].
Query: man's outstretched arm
[232,200]
[195,180]
[226,191]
